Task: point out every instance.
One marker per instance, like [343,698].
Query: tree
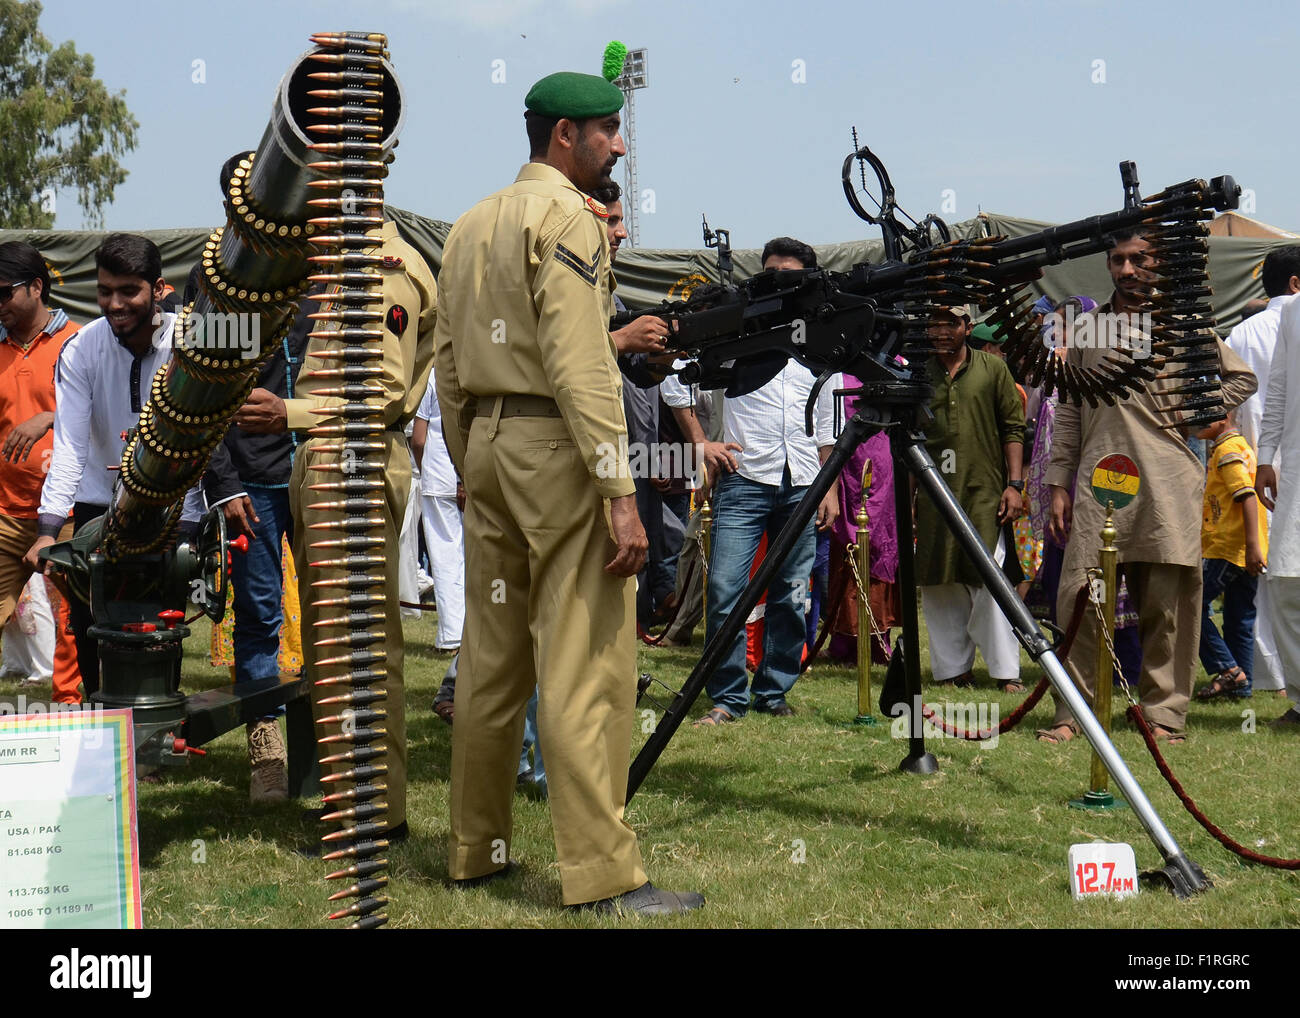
[61,127]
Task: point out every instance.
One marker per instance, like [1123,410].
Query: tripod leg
[918,759]
[1183,874]
[856,431]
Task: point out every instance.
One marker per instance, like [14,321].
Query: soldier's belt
[517,406]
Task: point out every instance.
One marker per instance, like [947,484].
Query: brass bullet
[357,793]
[361,887]
[346,93]
[347,166]
[356,658]
[347,77]
[357,717]
[352,59]
[349,373]
[361,755]
[351,353]
[358,697]
[353,620]
[362,639]
[370,922]
[357,735]
[348,259]
[350,429]
[362,543]
[360,831]
[351,582]
[364,811]
[361,908]
[357,677]
[348,111]
[352,486]
[359,869]
[361,849]
[342,148]
[352,391]
[352,525]
[355,506]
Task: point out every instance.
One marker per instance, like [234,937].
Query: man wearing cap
[976,439]
[531,404]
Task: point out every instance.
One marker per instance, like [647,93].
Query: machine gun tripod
[874,322]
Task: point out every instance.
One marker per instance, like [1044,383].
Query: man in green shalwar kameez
[976,440]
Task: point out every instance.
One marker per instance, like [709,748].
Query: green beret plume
[615,54]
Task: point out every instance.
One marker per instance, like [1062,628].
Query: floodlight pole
[633,77]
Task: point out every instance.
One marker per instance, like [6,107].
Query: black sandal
[1226,683]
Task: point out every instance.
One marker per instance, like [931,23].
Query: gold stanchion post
[1099,795]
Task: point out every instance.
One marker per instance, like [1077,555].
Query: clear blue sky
[994,102]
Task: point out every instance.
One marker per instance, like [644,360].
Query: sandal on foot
[446,710]
[715,718]
[1011,685]
[1163,734]
[961,681]
[1226,683]
[1057,734]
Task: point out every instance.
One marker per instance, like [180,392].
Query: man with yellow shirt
[1234,546]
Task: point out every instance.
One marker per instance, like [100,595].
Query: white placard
[1103,868]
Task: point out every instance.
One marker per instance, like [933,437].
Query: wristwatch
[1018,485]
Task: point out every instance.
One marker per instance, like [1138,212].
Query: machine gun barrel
[254,274]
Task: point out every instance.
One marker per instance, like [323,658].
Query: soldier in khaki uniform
[532,411]
[410,309]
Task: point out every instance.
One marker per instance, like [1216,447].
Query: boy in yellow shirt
[1234,549]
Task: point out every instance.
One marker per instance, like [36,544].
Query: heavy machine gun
[874,321]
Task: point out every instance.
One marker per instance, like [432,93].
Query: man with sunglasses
[31,336]
[102,382]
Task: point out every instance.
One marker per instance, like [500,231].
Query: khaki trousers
[541,610]
[16,536]
[397,486]
[1168,602]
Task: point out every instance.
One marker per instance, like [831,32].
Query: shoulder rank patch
[392,262]
[396,319]
[588,271]
[597,208]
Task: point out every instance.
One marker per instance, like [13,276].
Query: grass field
[799,822]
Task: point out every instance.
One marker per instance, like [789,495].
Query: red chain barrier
[1030,702]
[1234,847]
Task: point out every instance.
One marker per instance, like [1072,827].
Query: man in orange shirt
[31,337]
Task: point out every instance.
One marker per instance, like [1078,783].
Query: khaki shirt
[1163,523]
[410,310]
[525,292]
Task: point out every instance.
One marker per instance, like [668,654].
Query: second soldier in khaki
[532,411]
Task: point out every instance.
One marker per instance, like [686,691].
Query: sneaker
[270,779]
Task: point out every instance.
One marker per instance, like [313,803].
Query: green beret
[983,333]
[575,96]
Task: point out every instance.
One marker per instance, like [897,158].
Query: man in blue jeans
[249,478]
[756,491]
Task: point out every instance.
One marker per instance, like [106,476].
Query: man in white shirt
[1254,341]
[755,492]
[1280,429]
[101,384]
[444,533]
